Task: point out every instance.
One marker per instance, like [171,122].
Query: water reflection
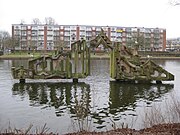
[76,99]
[62,96]
[124,96]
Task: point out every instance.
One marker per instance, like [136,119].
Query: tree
[22,21]
[4,36]
[36,21]
[50,21]
[137,40]
[59,44]
[174,2]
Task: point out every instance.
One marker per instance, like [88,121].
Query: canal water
[93,104]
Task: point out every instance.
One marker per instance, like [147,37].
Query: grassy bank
[93,56]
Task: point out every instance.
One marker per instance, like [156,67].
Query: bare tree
[59,45]
[4,35]
[36,21]
[22,21]
[50,21]
[174,2]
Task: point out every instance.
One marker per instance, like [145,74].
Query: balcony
[73,28]
[67,34]
[49,32]
[40,32]
[88,29]
[67,28]
[23,28]
[49,37]
[34,28]
[82,28]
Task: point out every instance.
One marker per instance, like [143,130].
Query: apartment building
[50,37]
[173,44]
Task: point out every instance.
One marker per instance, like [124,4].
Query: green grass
[22,55]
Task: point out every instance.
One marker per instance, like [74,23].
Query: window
[40,32]
[123,39]
[34,28]
[67,34]
[56,28]
[105,28]
[98,29]
[17,27]
[40,27]
[123,34]
[61,38]
[119,39]
[128,29]
[113,29]
[82,33]
[61,27]
[29,32]
[23,33]
[88,28]
[113,39]
[49,32]
[147,30]
[120,30]
[29,38]
[62,33]
[73,27]
[34,38]
[118,34]
[82,28]
[41,38]
[17,32]
[23,38]
[134,29]
[67,28]
[34,33]
[23,27]
[141,30]
[49,37]
[66,38]
[156,30]
[49,28]
[113,33]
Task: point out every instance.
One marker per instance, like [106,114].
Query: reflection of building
[48,37]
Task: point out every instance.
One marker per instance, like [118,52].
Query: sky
[125,13]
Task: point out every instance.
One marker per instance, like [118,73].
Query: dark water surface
[95,103]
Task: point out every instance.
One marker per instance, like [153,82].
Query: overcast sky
[126,13]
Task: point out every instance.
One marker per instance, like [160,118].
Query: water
[95,103]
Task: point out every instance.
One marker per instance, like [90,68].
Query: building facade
[173,44]
[50,37]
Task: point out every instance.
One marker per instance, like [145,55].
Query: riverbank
[161,129]
[26,57]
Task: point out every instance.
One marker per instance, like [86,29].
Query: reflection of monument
[124,96]
[75,98]
[61,96]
